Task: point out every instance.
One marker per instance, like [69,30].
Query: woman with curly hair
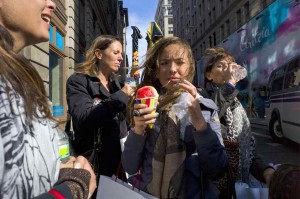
[177,159]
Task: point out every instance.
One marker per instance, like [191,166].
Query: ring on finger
[136,113]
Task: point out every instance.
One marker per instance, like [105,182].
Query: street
[288,152]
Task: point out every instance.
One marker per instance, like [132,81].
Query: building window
[222,32]
[215,38]
[201,31]
[227,27]
[55,83]
[238,18]
[56,64]
[82,17]
[227,3]
[170,2]
[60,41]
[170,11]
[210,41]
[246,11]
[170,20]
[170,30]
[221,5]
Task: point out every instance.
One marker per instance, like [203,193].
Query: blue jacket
[204,155]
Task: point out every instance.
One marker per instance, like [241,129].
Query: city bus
[283,102]
[267,42]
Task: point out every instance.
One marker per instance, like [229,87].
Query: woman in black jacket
[97,102]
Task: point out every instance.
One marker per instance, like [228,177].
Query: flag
[154,34]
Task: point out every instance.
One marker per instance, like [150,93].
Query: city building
[164,17]
[206,23]
[74,25]
[263,37]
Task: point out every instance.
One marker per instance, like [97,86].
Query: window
[227,27]
[170,30]
[170,20]
[214,39]
[170,1]
[277,84]
[221,5]
[238,18]
[222,32]
[170,11]
[55,84]
[60,41]
[82,17]
[292,78]
[56,64]
[246,11]
[214,13]
[278,80]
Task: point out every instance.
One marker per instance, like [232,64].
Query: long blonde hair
[90,65]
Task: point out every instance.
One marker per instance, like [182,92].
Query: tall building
[206,23]
[262,36]
[164,17]
[74,25]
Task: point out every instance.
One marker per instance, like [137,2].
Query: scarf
[239,130]
[168,158]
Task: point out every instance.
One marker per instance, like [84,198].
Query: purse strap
[137,177]
[98,139]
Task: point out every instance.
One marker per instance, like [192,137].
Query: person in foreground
[29,159]
[97,102]
[220,86]
[177,159]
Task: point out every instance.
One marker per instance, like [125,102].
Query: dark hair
[89,66]
[285,182]
[18,72]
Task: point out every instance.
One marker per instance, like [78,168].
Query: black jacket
[92,107]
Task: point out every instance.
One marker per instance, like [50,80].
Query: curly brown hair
[17,71]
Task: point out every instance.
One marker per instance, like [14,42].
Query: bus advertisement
[268,41]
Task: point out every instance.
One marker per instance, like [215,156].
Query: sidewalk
[259,123]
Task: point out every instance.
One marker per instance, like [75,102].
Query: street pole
[136,35]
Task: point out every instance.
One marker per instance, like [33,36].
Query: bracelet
[273,166]
[230,84]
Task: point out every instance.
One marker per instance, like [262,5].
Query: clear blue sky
[140,14]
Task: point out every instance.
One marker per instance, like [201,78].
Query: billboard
[267,41]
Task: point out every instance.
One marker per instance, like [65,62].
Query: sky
[140,14]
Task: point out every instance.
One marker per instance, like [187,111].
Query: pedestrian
[177,159]
[29,159]
[220,87]
[97,102]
